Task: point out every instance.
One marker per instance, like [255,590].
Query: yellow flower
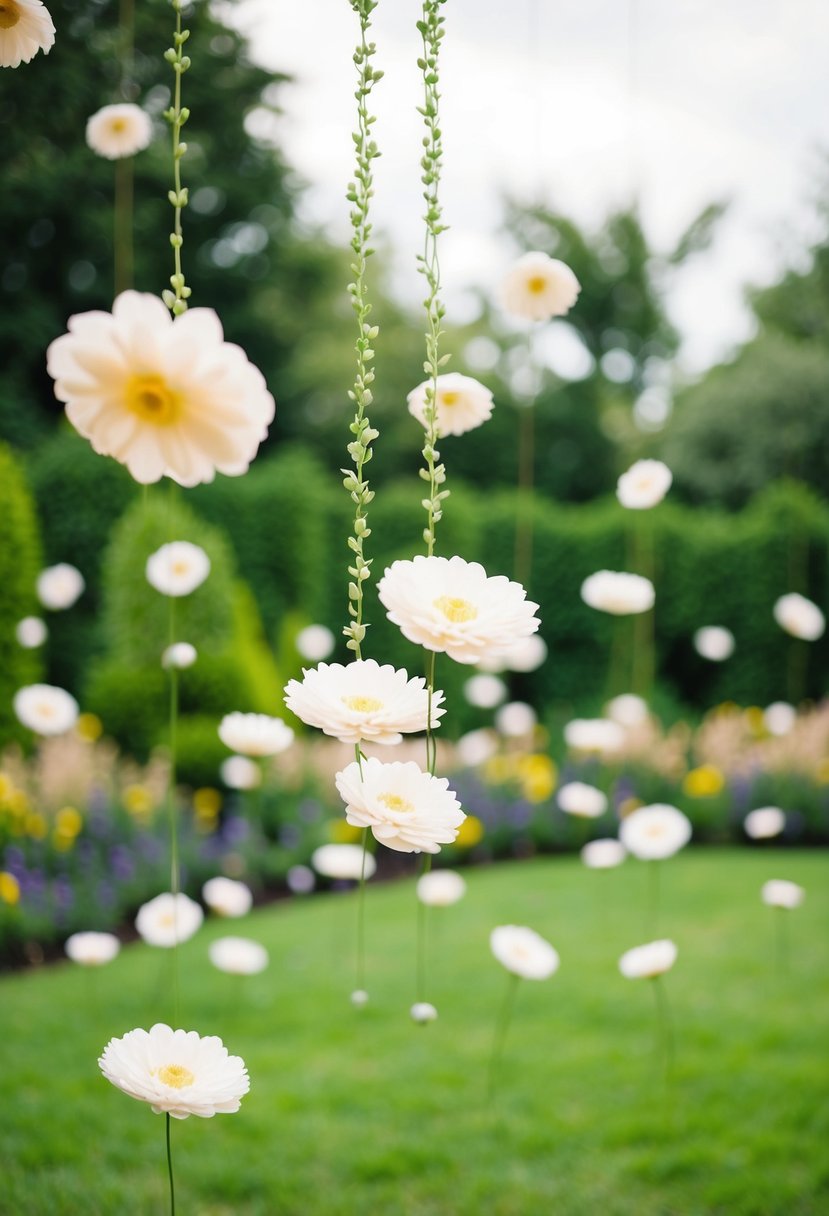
[207,803]
[138,800]
[755,720]
[89,727]
[470,832]
[703,782]
[538,776]
[9,888]
[6,787]
[62,842]
[822,772]
[500,769]
[344,833]
[18,802]
[34,825]
[68,821]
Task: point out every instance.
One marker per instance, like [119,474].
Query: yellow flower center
[362,705]
[536,284]
[655,830]
[45,710]
[151,398]
[167,920]
[450,397]
[176,1076]
[455,609]
[9,14]
[395,803]
[117,125]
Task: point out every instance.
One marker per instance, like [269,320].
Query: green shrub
[19,564]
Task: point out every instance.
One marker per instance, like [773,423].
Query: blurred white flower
[462,403]
[227,897]
[538,287]
[178,568]
[255,734]
[60,586]
[164,397]
[176,1071]
[653,832]
[422,1012]
[238,955]
[168,919]
[780,893]
[649,961]
[240,773]
[527,654]
[31,632]
[644,485]
[594,735]
[119,130]
[180,656]
[359,998]
[476,747]
[799,617]
[578,798]
[407,810]
[345,862]
[25,28]
[363,701]
[523,952]
[618,593]
[484,690]
[779,717]
[627,709]
[765,822]
[603,854]
[300,880]
[451,605]
[315,643]
[714,642]
[440,888]
[45,709]
[516,720]
[92,949]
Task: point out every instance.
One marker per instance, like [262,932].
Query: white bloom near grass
[119,130]
[598,735]
[764,822]
[627,709]
[238,955]
[423,1012]
[31,632]
[227,896]
[644,485]
[516,720]
[523,952]
[538,287]
[180,655]
[462,403]
[315,643]
[652,833]
[799,617]
[363,701]
[714,642]
[59,587]
[484,690]
[166,397]
[407,810]
[440,888]
[176,1071]
[617,592]
[178,568]
[168,920]
[26,27]
[580,799]
[603,854]
[255,734]
[648,961]
[451,605]
[780,893]
[45,709]
[240,773]
[476,747]
[345,862]
[92,949]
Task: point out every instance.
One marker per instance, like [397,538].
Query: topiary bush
[19,564]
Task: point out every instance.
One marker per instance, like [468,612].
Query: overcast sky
[578,102]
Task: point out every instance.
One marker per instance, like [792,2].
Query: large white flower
[25,28]
[406,809]
[780,893]
[59,586]
[603,854]
[227,897]
[177,568]
[166,397]
[176,1071]
[765,822]
[644,485]
[598,735]
[462,403]
[45,709]
[119,130]
[523,952]
[714,642]
[315,642]
[617,592]
[238,955]
[440,888]
[451,605]
[92,949]
[345,862]
[255,734]
[799,617]
[168,919]
[363,701]
[653,832]
[649,961]
[31,632]
[539,287]
[584,801]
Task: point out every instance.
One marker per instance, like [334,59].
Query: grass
[363,1112]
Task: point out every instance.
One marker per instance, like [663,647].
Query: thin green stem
[641,538]
[176,300]
[170,1170]
[781,939]
[422,944]
[501,1027]
[523,552]
[798,666]
[361,919]
[653,900]
[122,225]
[665,1030]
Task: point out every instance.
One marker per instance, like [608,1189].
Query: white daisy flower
[238,955]
[765,822]
[59,587]
[779,717]
[617,592]
[359,998]
[180,655]
[627,709]
[423,1012]
[780,893]
[516,720]
[476,747]
[25,28]
[714,642]
[407,810]
[178,568]
[539,287]
[523,952]
[451,605]
[484,690]
[92,949]
[240,773]
[227,897]
[166,397]
[585,801]
[45,709]
[119,130]
[462,403]
[315,643]
[255,734]
[644,485]
[603,854]
[168,919]
[799,617]
[440,888]
[31,632]
[598,735]
[649,961]
[653,832]
[363,701]
[176,1071]
[343,862]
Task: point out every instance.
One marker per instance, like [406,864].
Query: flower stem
[501,1028]
[526,481]
[422,934]
[176,300]
[361,918]
[653,901]
[664,1025]
[122,225]
[781,939]
[644,563]
[170,1170]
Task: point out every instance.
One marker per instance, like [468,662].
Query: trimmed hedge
[19,564]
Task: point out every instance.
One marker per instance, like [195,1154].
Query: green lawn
[363,1112]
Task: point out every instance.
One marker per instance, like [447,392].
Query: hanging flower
[315,643]
[176,1071]
[178,568]
[527,654]
[180,656]
[799,617]
[765,822]
[627,709]
[585,801]
[92,949]
[618,593]
[423,1012]
[166,397]
[539,287]
[779,717]
[523,952]
[780,893]
[31,632]
[45,709]
[407,810]
[594,735]
[451,605]
[343,862]
[240,773]
[25,28]
[484,691]
[653,832]
[644,485]
[255,734]
[227,897]
[603,854]
[714,642]
[363,701]
[119,130]
[238,955]
[168,920]
[462,403]
[59,587]
[440,888]
[647,962]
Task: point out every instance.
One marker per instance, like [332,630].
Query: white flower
[653,832]
[177,568]
[345,862]
[238,955]
[476,747]
[25,28]
[714,642]
[31,632]
[227,897]
[359,998]
[594,735]
[484,690]
[644,485]
[462,403]
[165,397]
[177,1071]
[363,701]
[799,617]
[45,709]
[516,720]
[523,952]
[59,586]
[180,656]
[440,888]
[92,949]
[406,809]
[451,605]
[765,822]
[422,1012]
[780,893]
[314,643]
[168,919]
[779,717]
[240,773]
[577,798]
[603,854]
[617,592]
[119,130]
[526,654]
[647,962]
[627,709]
[539,287]
[255,734]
